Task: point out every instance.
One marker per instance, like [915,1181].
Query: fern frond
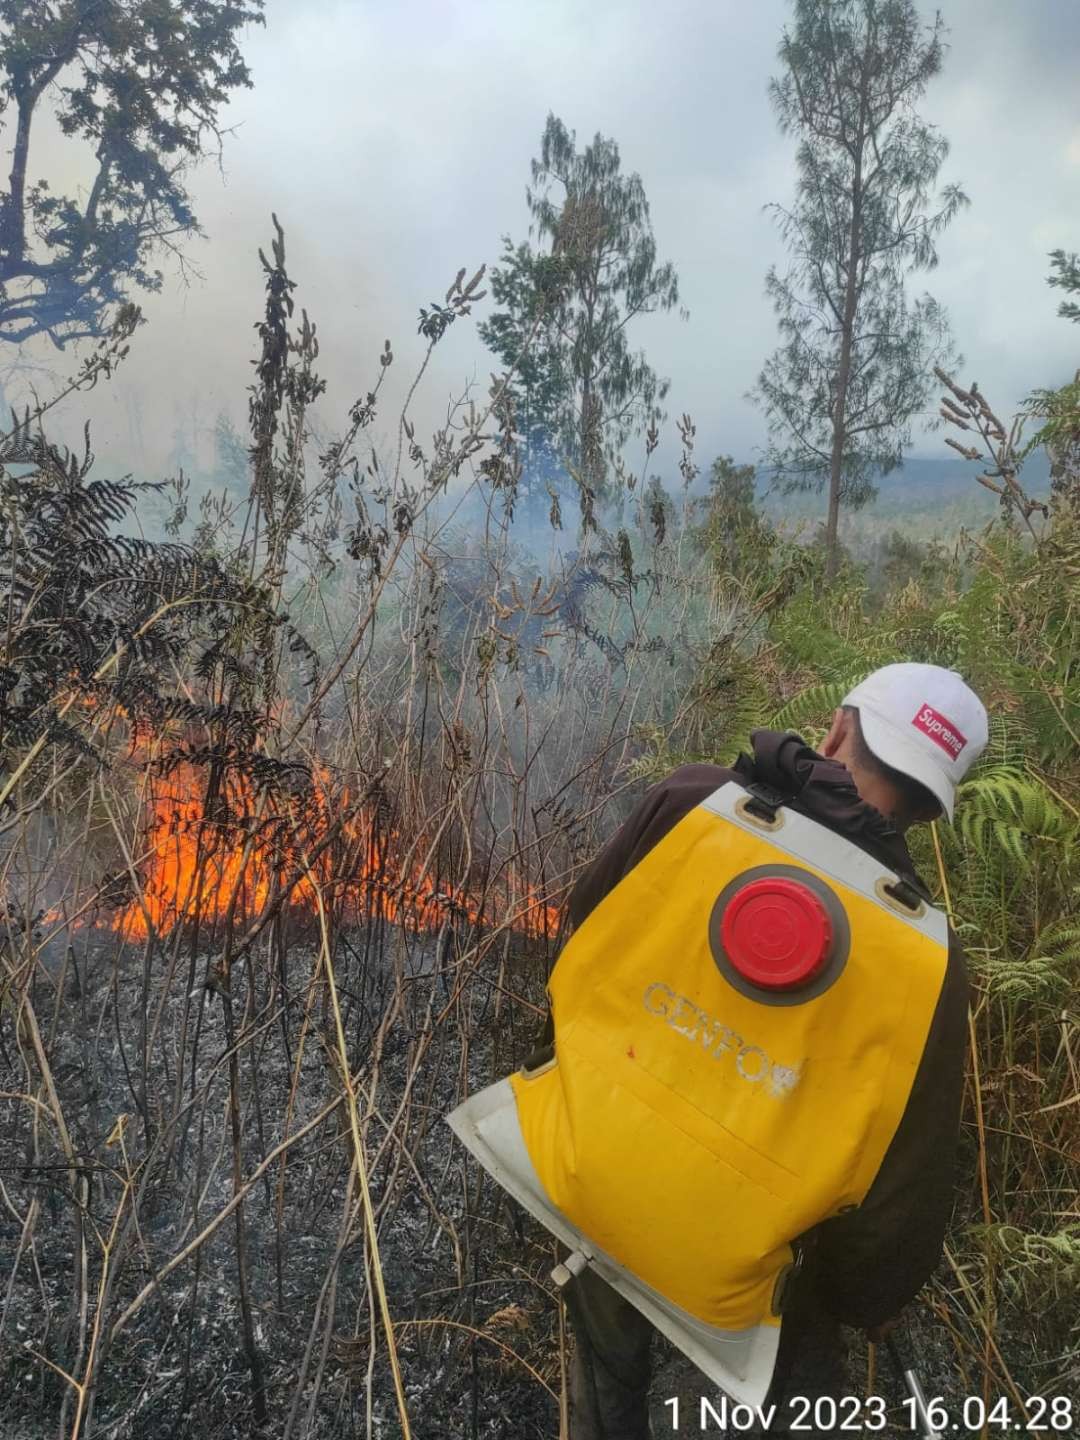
[1040,979]
[813,706]
[1006,809]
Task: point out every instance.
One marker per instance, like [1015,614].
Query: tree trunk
[843,375]
[13,239]
[839,436]
[588,440]
[13,233]
[586,412]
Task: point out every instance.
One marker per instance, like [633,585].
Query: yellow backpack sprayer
[737,1028]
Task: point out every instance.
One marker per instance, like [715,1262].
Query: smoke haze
[393,142]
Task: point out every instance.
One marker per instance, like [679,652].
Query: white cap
[923,721]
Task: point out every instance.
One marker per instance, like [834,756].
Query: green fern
[1004,811]
[1010,744]
[1040,979]
[811,707]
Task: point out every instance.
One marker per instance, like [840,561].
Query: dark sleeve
[871,1262]
[661,808]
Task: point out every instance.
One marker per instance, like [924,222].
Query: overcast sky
[393,139]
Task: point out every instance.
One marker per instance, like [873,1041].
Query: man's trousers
[610,1371]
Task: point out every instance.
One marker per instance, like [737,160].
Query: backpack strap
[765,801]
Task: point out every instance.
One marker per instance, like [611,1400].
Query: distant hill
[920,486]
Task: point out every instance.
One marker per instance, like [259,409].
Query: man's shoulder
[683,790]
[697,777]
[660,809]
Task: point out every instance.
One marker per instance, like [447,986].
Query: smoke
[365,131]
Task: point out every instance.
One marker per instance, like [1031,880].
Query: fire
[212,858]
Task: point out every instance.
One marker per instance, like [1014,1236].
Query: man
[898,748]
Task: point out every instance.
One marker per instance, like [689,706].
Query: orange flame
[230,857]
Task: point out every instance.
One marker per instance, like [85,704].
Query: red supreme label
[940,730]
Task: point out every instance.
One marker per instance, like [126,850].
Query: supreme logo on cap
[940,730]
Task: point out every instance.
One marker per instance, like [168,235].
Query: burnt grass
[465,1271]
[456,1255]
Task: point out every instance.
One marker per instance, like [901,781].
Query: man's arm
[661,808]
[870,1263]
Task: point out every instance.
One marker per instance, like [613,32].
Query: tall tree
[571,296]
[856,356]
[138,82]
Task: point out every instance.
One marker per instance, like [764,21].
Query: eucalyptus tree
[135,86]
[855,361]
[569,295]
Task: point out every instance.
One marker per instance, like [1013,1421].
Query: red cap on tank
[777,933]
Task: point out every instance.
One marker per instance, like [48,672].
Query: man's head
[909,734]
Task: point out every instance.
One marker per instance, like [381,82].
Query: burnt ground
[457,1257]
[465,1271]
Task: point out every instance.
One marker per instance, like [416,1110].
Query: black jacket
[870,1262]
